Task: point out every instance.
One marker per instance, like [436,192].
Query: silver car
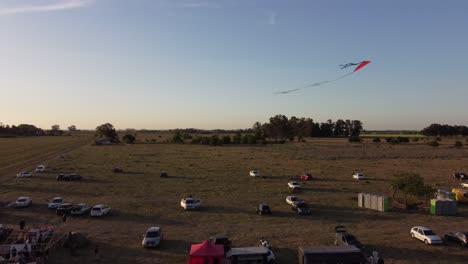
[152,238]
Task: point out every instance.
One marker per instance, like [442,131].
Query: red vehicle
[307,177]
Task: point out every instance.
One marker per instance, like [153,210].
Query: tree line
[445,130]
[21,130]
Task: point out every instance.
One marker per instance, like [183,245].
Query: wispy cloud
[197,4]
[48,6]
[271,17]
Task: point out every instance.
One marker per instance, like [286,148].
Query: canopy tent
[206,253]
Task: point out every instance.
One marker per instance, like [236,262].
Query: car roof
[57,198]
[24,197]
[291,196]
[101,205]
[153,228]
[423,228]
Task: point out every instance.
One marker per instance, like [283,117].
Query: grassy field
[219,177]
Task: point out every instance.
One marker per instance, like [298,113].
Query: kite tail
[314,84]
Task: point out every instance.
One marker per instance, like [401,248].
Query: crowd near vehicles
[100,210]
[152,237]
[23,202]
[359,176]
[189,203]
[24,174]
[426,235]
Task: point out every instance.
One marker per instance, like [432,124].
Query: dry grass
[219,176]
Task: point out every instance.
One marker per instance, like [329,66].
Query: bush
[129,139]
[403,139]
[458,144]
[376,140]
[394,141]
[415,139]
[226,140]
[433,143]
[354,139]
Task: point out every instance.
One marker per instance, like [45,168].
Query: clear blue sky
[216,64]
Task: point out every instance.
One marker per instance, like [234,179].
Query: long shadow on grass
[41,189]
[348,215]
[413,255]
[142,218]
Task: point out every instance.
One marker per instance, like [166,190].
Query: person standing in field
[22,224]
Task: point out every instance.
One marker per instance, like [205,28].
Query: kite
[360,65]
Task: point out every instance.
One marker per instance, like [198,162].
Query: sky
[160,64]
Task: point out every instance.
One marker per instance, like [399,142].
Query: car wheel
[426,242]
[412,235]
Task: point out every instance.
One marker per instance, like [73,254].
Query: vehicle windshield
[152,234]
[96,209]
[293,198]
[428,233]
[57,200]
[350,238]
[302,205]
[22,200]
[189,201]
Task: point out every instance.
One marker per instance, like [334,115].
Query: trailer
[322,254]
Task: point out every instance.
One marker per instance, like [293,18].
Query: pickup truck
[189,203]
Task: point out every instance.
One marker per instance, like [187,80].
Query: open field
[219,177]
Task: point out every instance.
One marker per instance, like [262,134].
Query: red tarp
[206,253]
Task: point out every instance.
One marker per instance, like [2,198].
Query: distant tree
[129,138]
[177,137]
[340,128]
[258,130]
[72,128]
[55,130]
[226,140]
[237,138]
[108,132]
[354,139]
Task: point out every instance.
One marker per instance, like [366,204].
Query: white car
[464,185]
[254,173]
[80,209]
[294,185]
[100,210]
[24,174]
[426,235]
[359,176]
[152,238]
[40,168]
[55,203]
[23,202]
[293,200]
[189,203]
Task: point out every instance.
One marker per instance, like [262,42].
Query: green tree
[177,137]
[409,184]
[107,131]
[129,138]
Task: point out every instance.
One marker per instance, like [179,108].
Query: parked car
[221,239]
[294,185]
[301,208]
[459,175]
[307,177]
[40,168]
[189,203]
[56,203]
[69,177]
[23,202]
[152,238]
[163,174]
[457,237]
[118,170]
[293,200]
[464,185]
[24,174]
[263,209]
[80,209]
[254,173]
[426,235]
[5,232]
[342,237]
[359,176]
[65,208]
[100,210]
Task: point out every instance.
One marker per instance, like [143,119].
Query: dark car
[221,240]
[118,170]
[69,177]
[163,174]
[263,209]
[459,175]
[457,237]
[342,237]
[5,232]
[65,208]
[301,208]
